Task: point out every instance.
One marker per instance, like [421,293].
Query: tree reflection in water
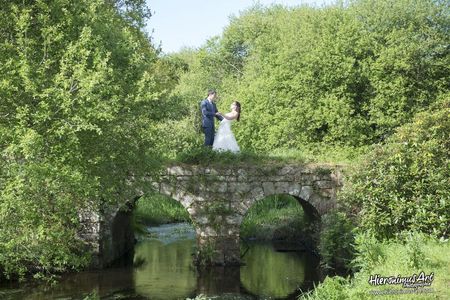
[274,274]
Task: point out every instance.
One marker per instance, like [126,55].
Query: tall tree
[79,96]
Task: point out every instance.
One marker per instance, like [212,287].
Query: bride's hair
[238,109]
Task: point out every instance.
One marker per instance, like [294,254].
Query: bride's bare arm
[231,115]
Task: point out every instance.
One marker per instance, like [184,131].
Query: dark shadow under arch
[310,211]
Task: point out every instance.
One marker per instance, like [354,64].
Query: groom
[209,111]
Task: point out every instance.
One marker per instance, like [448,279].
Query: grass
[206,156]
[276,217]
[158,209]
[331,155]
[402,256]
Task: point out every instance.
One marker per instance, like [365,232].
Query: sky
[190,23]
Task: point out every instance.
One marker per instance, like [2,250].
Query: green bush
[336,241]
[369,252]
[403,184]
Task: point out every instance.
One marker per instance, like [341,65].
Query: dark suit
[209,111]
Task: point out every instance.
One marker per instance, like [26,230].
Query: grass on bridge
[333,156]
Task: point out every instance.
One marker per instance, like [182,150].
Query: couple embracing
[224,140]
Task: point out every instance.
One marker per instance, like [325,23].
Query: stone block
[307,179]
[238,187]
[286,170]
[281,187]
[201,197]
[212,171]
[209,231]
[201,220]
[186,200]
[193,211]
[237,205]
[324,184]
[296,176]
[219,187]
[242,175]
[183,178]
[194,170]
[178,194]
[226,172]
[295,189]
[177,170]
[306,192]
[306,170]
[277,178]
[323,204]
[337,178]
[231,178]
[166,189]
[257,192]
[328,193]
[235,219]
[268,188]
[155,186]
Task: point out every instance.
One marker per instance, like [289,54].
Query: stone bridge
[217,199]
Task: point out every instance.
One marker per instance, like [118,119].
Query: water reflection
[163,269]
[218,280]
[167,269]
[108,284]
[272,274]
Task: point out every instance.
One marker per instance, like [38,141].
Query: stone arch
[313,217]
[309,209]
[117,233]
[312,201]
[185,199]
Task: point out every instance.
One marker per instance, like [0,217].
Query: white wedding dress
[224,139]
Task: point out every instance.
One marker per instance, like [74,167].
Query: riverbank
[410,257]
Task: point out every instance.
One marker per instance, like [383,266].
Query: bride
[224,139]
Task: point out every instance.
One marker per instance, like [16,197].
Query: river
[163,269]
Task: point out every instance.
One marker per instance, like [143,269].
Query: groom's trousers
[209,135]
